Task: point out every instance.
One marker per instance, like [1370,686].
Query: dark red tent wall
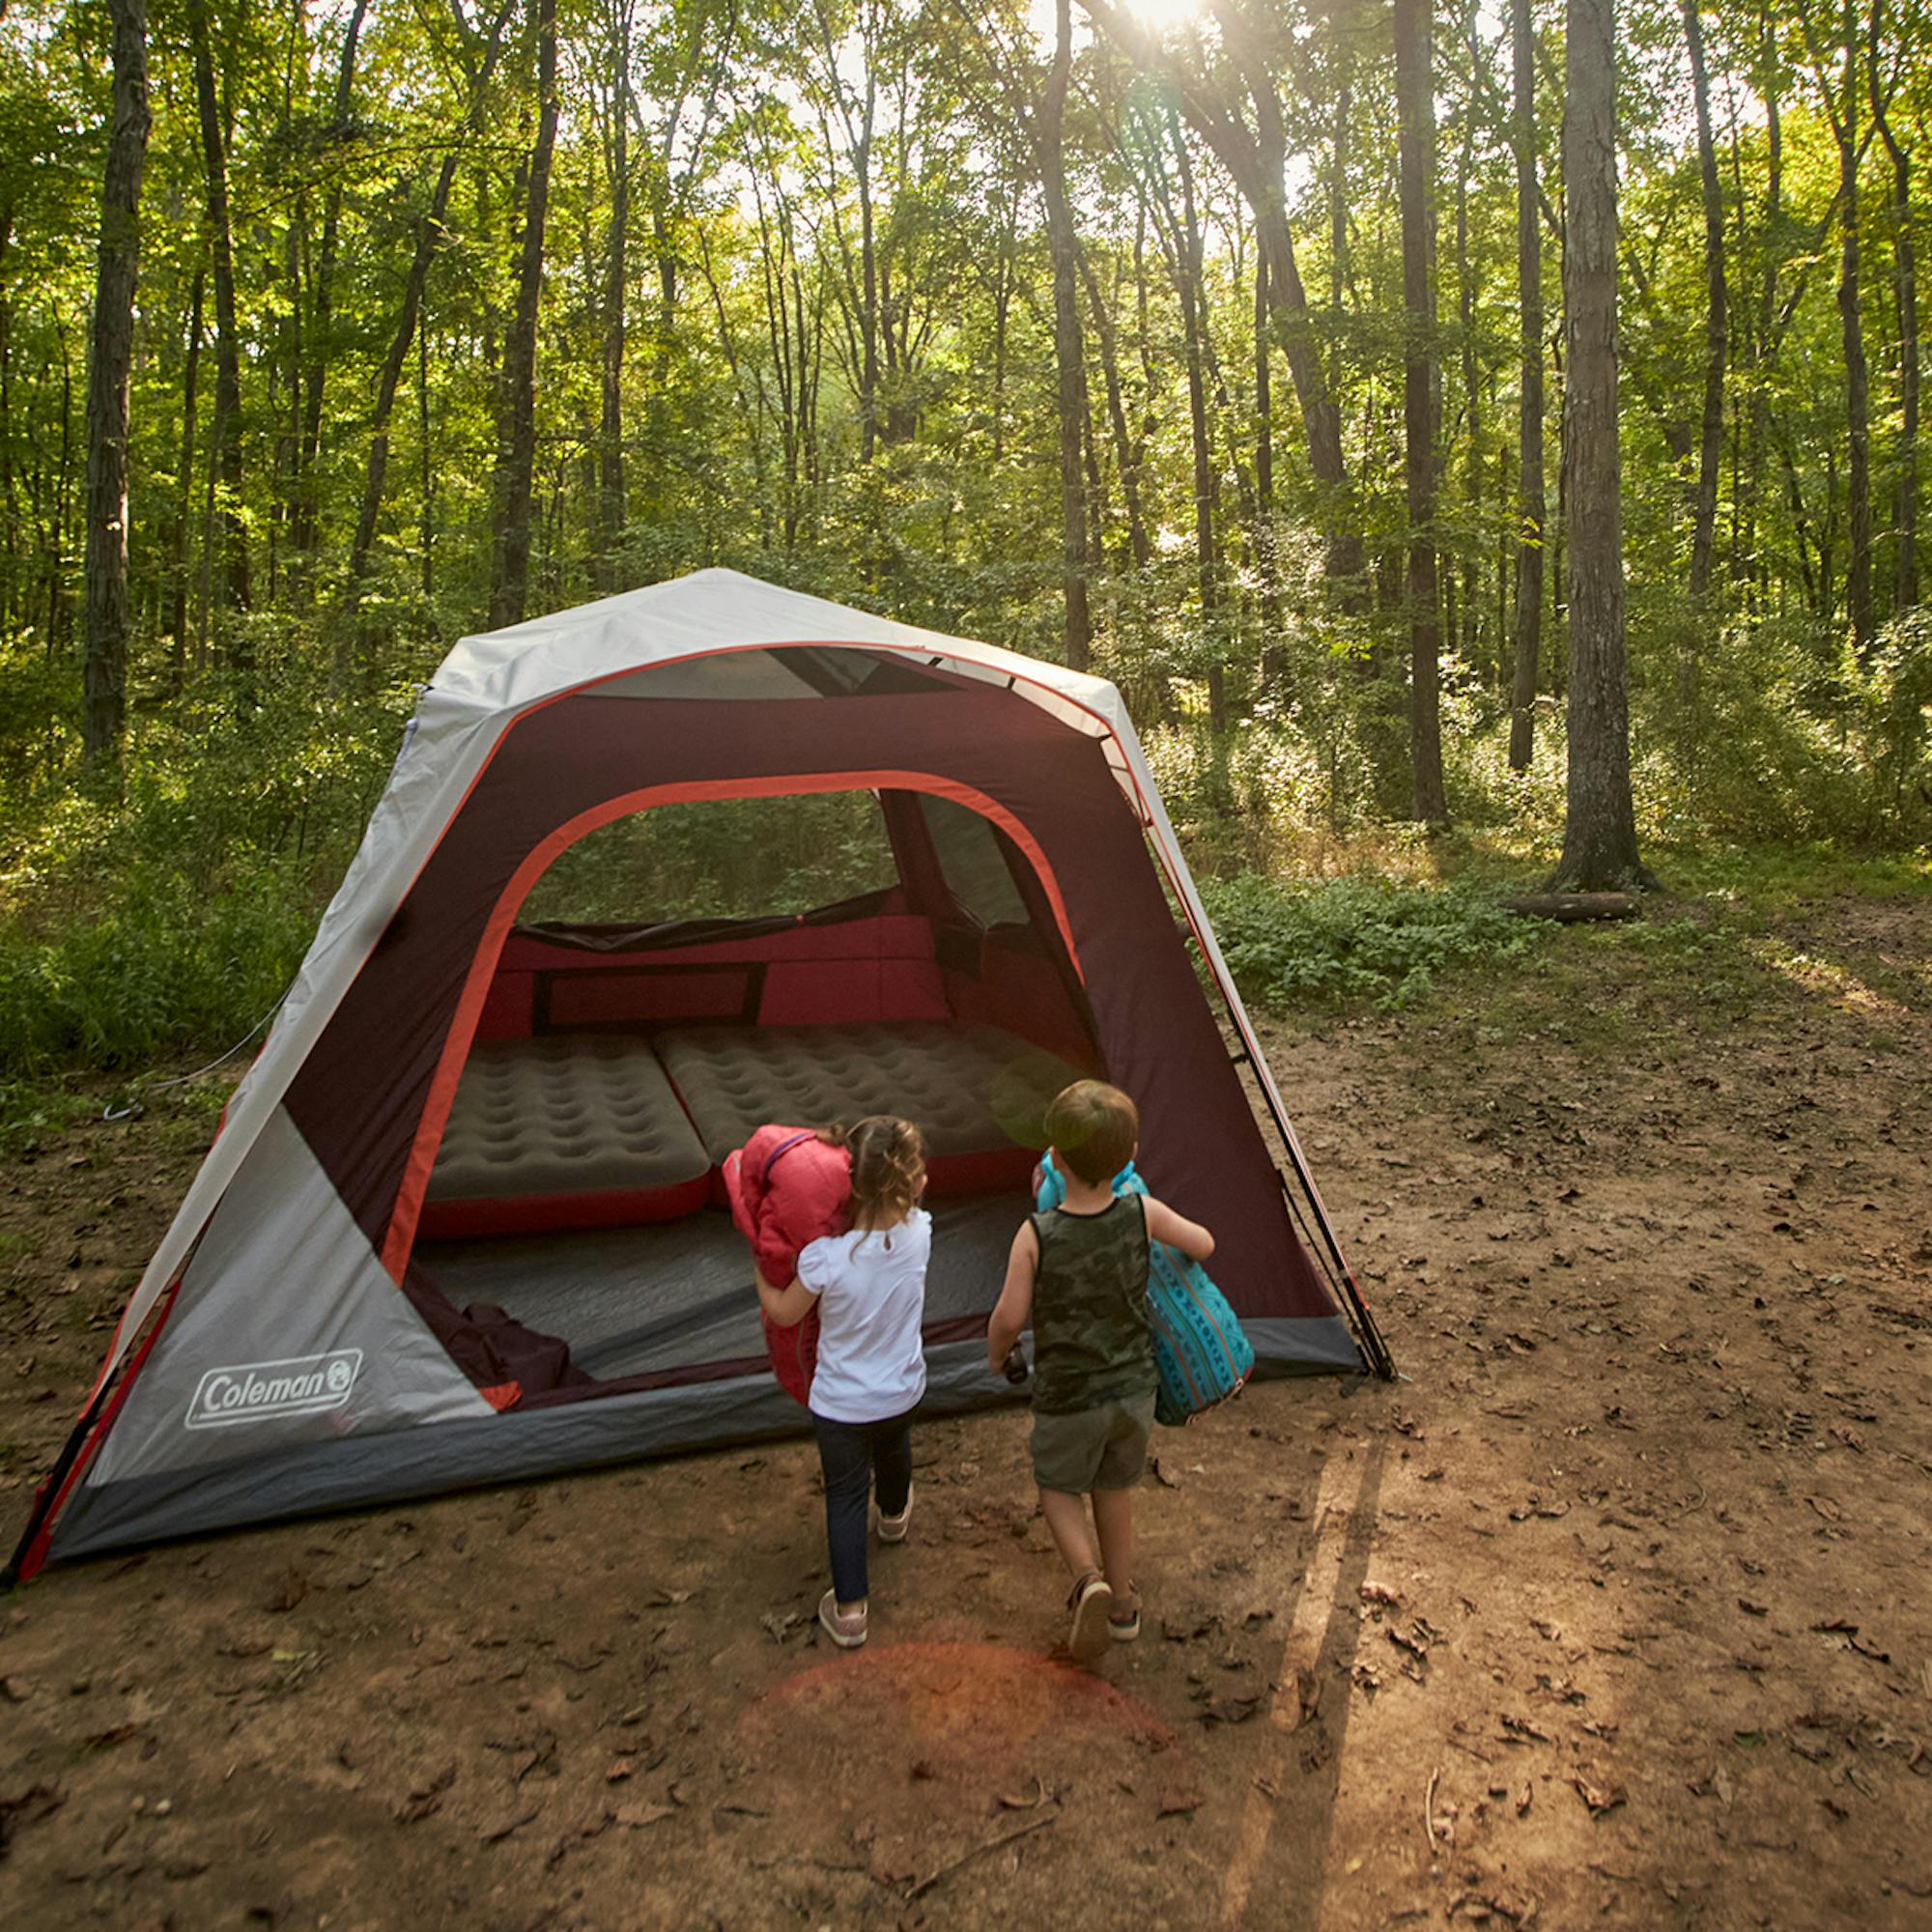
[360,1095]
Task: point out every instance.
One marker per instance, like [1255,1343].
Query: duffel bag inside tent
[463,1222]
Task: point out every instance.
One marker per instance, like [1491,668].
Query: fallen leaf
[1230,1709]
[635,1817]
[1520,1728]
[592,1827]
[419,1804]
[1479,1907]
[495,1834]
[1599,1798]
[28,1808]
[288,1593]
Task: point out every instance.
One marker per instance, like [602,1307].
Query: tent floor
[631,1301]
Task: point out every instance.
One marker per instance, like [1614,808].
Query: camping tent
[461,1224]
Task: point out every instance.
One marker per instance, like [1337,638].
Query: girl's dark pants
[853,1453]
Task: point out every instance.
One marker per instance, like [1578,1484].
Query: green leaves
[1362,937]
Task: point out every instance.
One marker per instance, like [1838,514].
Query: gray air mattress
[972,1090]
[567,1113]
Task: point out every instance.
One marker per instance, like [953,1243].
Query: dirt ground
[1615,1611]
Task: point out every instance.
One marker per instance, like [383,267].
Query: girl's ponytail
[887,1169]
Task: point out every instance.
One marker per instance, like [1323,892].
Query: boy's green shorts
[1099,1448]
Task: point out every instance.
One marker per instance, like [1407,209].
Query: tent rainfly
[462,1223]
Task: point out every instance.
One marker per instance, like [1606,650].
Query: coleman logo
[301,1386]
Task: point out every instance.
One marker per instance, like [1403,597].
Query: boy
[1080,1271]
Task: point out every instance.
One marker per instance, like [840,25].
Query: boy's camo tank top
[1091,1339]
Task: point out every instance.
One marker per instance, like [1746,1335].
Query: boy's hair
[1096,1127]
[887,1168]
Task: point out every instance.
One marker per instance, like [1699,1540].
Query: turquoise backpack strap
[1052,1190]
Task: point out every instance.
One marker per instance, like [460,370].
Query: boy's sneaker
[892,1528]
[1091,1604]
[847,1630]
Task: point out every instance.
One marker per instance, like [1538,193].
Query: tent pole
[17,1567]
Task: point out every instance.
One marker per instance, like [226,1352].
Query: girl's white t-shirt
[871,1298]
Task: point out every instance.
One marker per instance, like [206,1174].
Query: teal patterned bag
[1199,1350]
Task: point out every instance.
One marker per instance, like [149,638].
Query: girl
[869,1288]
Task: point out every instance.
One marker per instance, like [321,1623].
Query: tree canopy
[1092,329]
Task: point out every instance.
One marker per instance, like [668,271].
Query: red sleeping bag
[788,1188]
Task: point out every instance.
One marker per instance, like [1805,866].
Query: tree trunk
[1267,550]
[227,433]
[1067,343]
[10,502]
[1465,637]
[1771,219]
[1126,457]
[428,235]
[1529,428]
[1717,327]
[320,346]
[426,480]
[1005,279]
[104,622]
[1600,831]
[612,514]
[1338,178]
[1255,159]
[1844,114]
[1906,276]
[519,441]
[1193,321]
[1416,112]
[184,485]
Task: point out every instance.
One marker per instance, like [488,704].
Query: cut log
[1569,906]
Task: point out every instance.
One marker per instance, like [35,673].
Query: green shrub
[168,966]
[1357,938]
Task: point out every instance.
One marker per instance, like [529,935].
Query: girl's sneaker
[845,1628]
[892,1528]
[1124,1625]
[1092,1602]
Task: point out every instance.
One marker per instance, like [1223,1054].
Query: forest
[1271,357]
[1481,439]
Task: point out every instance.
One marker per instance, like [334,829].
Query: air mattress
[977,1092]
[567,1130]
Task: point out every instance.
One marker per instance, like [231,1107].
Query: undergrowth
[1362,937]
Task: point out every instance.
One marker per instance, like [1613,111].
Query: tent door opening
[675,979]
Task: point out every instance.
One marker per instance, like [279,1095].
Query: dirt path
[1615,1612]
